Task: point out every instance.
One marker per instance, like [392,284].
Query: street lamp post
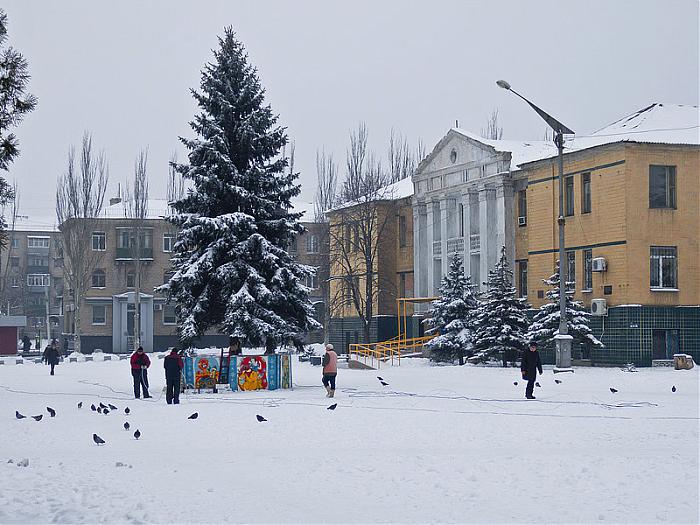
[563,339]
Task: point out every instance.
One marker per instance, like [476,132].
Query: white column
[466,226]
[428,261]
[417,250]
[443,235]
[483,234]
[505,218]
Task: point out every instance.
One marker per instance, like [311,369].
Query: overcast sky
[123,70]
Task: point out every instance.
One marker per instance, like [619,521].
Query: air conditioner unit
[599,307]
[599,264]
[157,307]
[522,221]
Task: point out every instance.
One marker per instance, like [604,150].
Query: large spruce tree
[502,320]
[232,272]
[453,316]
[545,324]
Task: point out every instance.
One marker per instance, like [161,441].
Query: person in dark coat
[139,371]
[529,367]
[173,369]
[26,343]
[52,356]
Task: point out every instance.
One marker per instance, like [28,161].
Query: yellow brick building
[632,210]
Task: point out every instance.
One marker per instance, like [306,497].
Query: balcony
[455,245]
[437,248]
[38,269]
[127,254]
[474,243]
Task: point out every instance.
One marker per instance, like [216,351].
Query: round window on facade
[453,156]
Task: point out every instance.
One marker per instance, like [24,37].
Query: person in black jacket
[173,368]
[52,355]
[529,367]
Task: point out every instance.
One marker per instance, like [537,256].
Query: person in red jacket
[330,370]
[139,371]
[173,369]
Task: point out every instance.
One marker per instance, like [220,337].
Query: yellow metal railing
[386,351]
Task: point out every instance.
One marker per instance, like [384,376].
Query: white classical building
[464,202]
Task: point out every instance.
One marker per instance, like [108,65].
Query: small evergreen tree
[232,271]
[545,324]
[502,321]
[453,316]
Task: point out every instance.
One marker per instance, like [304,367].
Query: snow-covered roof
[521,150]
[39,224]
[392,192]
[156,209]
[659,123]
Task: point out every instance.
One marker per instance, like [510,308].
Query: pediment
[456,150]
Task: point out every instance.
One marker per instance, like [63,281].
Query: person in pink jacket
[330,370]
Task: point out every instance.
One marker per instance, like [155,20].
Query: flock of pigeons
[558,382]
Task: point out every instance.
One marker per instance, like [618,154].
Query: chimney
[114,200]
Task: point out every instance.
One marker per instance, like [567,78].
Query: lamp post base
[563,350]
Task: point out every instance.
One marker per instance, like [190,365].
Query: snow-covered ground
[439,444]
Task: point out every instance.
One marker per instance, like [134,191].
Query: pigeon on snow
[19,416]
[80,404]
[260,418]
[137,434]
[613,390]
[99,410]
[193,416]
[557,381]
[332,407]
[380,378]
[673,388]
[105,411]
[515,383]
[38,418]
[126,425]
[98,440]
[92,407]
[51,411]
[126,410]
[538,384]
[384,383]
[111,406]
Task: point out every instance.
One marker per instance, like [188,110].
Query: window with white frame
[99,241]
[14,280]
[99,279]
[312,245]
[664,267]
[587,269]
[38,279]
[130,279]
[169,314]
[99,314]
[571,271]
[37,242]
[312,281]
[14,262]
[662,187]
[15,242]
[293,244]
[168,242]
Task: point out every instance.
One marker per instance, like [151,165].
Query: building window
[522,278]
[169,315]
[312,244]
[14,262]
[15,242]
[99,314]
[130,279]
[15,281]
[99,241]
[522,207]
[569,195]
[571,271]
[168,242]
[586,193]
[99,279]
[293,244]
[662,187]
[588,269]
[402,230]
[37,242]
[124,238]
[312,281]
[664,267]
[355,237]
[461,219]
[38,260]
[38,279]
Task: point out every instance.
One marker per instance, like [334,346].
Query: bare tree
[356,232]
[327,175]
[492,130]
[137,210]
[79,201]
[12,288]
[402,159]
[176,183]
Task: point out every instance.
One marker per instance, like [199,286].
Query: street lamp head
[503,84]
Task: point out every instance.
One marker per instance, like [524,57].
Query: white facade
[464,203]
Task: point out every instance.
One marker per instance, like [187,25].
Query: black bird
[126,410]
[80,404]
[126,425]
[193,416]
[384,384]
[515,383]
[105,411]
[103,406]
[99,410]
[332,407]
[613,390]
[38,418]
[538,384]
[98,440]
[557,381]
[380,378]
[137,434]
[111,406]
[19,416]
[92,407]
[673,388]
[51,411]
[260,418]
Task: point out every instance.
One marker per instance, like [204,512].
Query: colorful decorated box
[246,372]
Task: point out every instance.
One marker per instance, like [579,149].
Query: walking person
[330,370]
[529,367]
[139,371]
[52,355]
[173,369]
